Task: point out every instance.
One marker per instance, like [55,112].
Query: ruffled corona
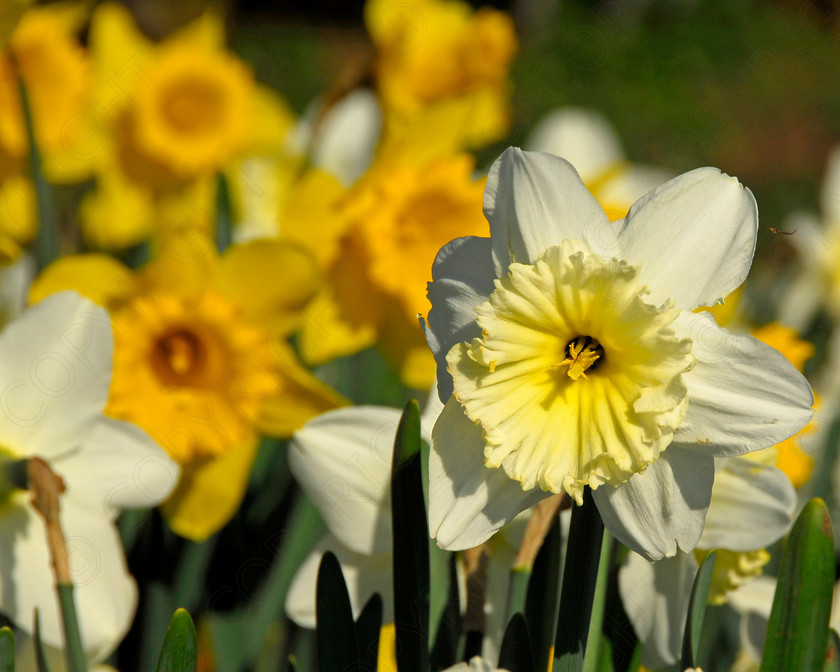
[732,570]
[204,372]
[577,380]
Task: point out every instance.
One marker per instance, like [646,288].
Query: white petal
[752,506]
[55,375]
[462,278]
[583,137]
[664,507]
[655,597]
[118,466]
[363,574]
[534,201]
[342,460]
[694,236]
[467,501]
[106,596]
[830,191]
[744,395]
[346,136]
[753,602]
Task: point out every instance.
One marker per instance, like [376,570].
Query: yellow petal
[301,396]
[117,213]
[120,53]
[206,32]
[271,120]
[311,217]
[10,13]
[185,263]
[101,278]
[326,333]
[404,345]
[271,280]
[210,491]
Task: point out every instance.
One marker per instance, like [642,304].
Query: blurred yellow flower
[56,71]
[432,52]
[201,361]
[376,242]
[170,117]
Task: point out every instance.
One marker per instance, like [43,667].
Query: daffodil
[376,242]
[566,358]
[441,53]
[45,54]
[201,361]
[55,377]
[752,506]
[169,117]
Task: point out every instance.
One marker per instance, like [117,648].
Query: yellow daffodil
[44,52]
[442,53]
[376,242]
[169,118]
[200,358]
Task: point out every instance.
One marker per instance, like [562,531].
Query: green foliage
[797,634]
[179,652]
[697,613]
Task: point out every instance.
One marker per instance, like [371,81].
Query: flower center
[192,106]
[180,357]
[190,371]
[562,315]
[582,353]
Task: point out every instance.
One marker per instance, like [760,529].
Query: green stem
[47,243]
[224,216]
[517,591]
[76,661]
[580,578]
[590,660]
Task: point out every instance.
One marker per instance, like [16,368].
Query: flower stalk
[46,488]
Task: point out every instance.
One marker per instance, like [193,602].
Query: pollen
[582,353]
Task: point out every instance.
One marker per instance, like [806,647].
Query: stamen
[582,353]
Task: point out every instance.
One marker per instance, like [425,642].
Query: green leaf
[580,577]
[179,652]
[411,546]
[335,629]
[797,633]
[7,650]
[544,596]
[47,242]
[599,599]
[697,612]
[516,654]
[368,627]
[224,214]
[40,654]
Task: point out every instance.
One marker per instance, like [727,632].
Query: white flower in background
[589,142]
[342,460]
[753,505]
[53,388]
[566,356]
[476,664]
[753,603]
[816,241]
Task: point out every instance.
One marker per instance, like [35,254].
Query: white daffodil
[568,356]
[752,506]
[342,460]
[53,388]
